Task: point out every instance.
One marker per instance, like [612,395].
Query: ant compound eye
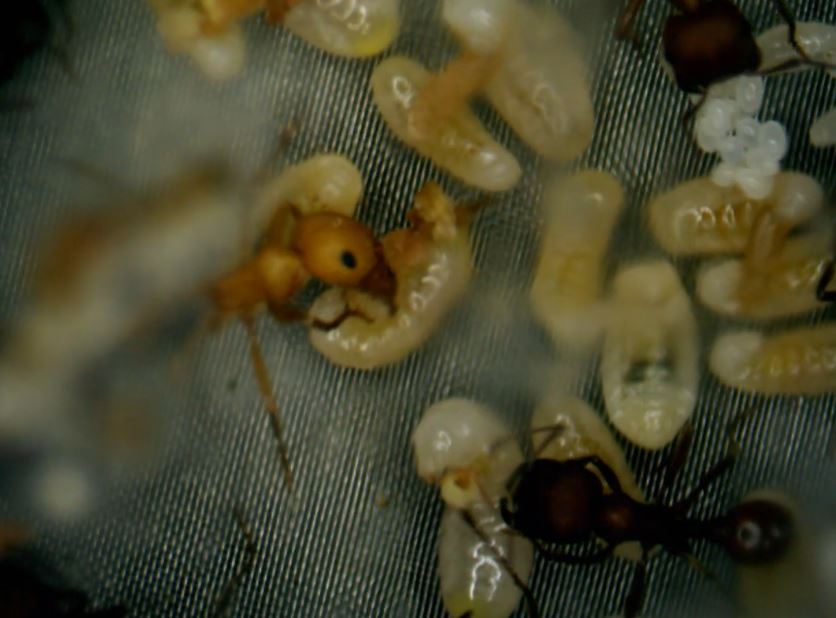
[749,535]
[334,248]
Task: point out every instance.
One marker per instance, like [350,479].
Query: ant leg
[559,556]
[552,431]
[792,36]
[609,475]
[721,467]
[692,110]
[822,293]
[635,598]
[677,459]
[270,403]
[244,569]
[624,25]
[530,602]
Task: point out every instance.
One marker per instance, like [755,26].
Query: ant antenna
[530,602]
[270,403]
[244,568]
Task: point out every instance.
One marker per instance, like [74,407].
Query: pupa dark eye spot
[348,259]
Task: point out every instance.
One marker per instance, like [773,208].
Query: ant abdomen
[755,531]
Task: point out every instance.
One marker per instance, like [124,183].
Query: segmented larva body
[795,362]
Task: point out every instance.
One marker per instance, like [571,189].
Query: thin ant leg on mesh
[270,403]
[530,601]
[224,599]
[638,587]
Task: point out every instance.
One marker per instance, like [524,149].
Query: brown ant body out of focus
[565,503]
[709,41]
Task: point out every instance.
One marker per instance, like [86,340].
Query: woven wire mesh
[358,535]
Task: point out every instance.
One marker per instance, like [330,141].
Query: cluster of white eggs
[750,151]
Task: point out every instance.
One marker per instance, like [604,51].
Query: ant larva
[564,503]
[210,30]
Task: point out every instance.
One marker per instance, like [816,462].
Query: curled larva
[770,287]
[460,145]
[474,583]
[463,448]
[328,182]
[351,28]
[581,211]
[700,217]
[432,267]
[649,360]
[794,362]
[540,86]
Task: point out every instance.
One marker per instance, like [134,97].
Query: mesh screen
[358,536]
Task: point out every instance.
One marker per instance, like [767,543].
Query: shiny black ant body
[709,41]
[565,503]
[27,593]
[26,29]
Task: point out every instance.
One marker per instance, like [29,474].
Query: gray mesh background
[357,538]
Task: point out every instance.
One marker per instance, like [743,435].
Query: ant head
[708,43]
[335,249]
[757,531]
[554,501]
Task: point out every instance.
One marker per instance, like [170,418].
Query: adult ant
[709,41]
[565,503]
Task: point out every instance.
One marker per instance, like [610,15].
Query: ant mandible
[709,41]
[565,503]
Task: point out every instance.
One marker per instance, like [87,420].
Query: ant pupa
[767,284]
[793,362]
[462,447]
[699,217]
[525,61]
[565,428]
[649,371]
[431,264]
[460,144]
[560,504]
[581,212]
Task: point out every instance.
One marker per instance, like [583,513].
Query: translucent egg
[732,149]
[749,93]
[723,175]
[746,129]
[772,137]
[754,183]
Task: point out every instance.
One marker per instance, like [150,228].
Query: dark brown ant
[709,41]
[565,503]
[27,593]
[26,29]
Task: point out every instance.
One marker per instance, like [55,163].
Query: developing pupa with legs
[649,370]
[430,266]
[566,296]
[793,362]
[462,447]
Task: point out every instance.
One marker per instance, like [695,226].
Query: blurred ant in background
[565,503]
[709,41]
[29,27]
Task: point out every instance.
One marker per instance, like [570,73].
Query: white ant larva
[777,284]
[219,52]
[525,61]
[794,362]
[431,264]
[350,28]
[818,40]
[649,360]
[482,566]
[459,143]
[565,428]
[581,211]
[700,217]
